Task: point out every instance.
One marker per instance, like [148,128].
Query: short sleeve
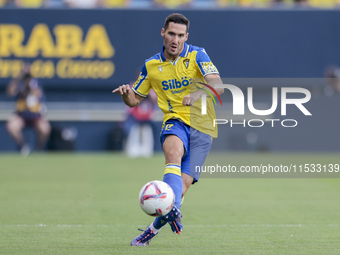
[142,86]
[204,63]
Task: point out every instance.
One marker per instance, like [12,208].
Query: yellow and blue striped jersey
[172,80]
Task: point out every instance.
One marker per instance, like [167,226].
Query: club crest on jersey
[186,62]
[160,68]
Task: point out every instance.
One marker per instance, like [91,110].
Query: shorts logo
[168,126]
[208,67]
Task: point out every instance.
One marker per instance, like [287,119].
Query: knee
[173,155]
[12,126]
[47,128]
[44,128]
[173,149]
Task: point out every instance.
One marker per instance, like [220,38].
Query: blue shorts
[30,118]
[196,144]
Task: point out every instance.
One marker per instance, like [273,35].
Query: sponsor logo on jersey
[175,84]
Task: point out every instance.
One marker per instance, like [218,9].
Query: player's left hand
[189,100]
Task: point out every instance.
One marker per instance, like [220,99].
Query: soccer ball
[156,198]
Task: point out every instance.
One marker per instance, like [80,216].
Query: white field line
[190,226]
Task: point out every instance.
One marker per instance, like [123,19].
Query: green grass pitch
[88,204]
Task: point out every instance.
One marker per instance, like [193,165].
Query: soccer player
[29,109]
[186,134]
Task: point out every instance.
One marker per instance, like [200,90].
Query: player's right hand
[124,89]
[129,97]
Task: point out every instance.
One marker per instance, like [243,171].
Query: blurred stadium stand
[72,111]
[171,4]
[80,58]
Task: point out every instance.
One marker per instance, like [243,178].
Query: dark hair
[178,19]
[27,76]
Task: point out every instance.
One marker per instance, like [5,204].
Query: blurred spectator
[139,127]
[8,3]
[172,4]
[332,75]
[29,110]
[83,4]
[24,3]
[226,3]
[324,3]
[55,3]
[307,3]
[301,3]
[114,3]
[244,3]
[30,3]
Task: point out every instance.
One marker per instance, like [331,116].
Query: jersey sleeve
[142,86]
[204,63]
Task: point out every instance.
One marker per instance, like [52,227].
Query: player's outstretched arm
[211,80]
[129,97]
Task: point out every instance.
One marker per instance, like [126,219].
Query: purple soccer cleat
[144,238]
[174,219]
